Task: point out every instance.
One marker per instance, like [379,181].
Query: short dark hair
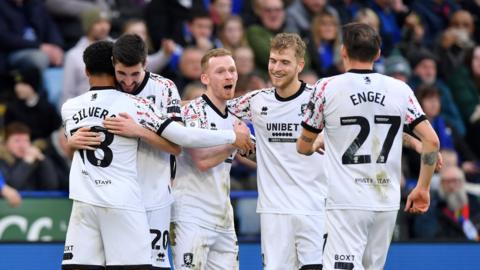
[426,91]
[98,58]
[197,13]
[16,128]
[130,50]
[361,41]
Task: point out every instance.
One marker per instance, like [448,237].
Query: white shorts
[99,236]
[196,247]
[159,222]
[292,241]
[358,239]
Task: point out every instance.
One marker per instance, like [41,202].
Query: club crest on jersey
[188,260]
[264,110]
[367,80]
[302,109]
[93,97]
[152,98]
[161,257]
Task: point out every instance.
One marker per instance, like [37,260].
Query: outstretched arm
[124,125]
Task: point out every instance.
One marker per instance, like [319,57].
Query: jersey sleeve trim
[417,121]
[310,128]
[163,126]
[176,119]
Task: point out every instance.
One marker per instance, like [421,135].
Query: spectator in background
[424,66]
[231,34]
[347,9]
[10,194]
[198,31]
[23,165]
[397,66]
[271,14]
[156,61]
[413,34]
[166,19]
[324,44]
[189,68]
[450,140]
[67,14]
[301,12]
[455,42]
[454,215]
[28,36]
[220,11]
[244,60]
[96,26]
[192,91]
[434,15]
[388,12]
[61,156]
[31,107]
[466,95]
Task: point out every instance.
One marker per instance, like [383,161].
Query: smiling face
[284,67]
[220,76]
[129,78]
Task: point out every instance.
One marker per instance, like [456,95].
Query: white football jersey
[154,167]
[108,176]
[363,114]
[288,183]
[204,197]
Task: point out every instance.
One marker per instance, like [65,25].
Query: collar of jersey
[361,71]
[142,85]
[210,103]
[298,93]
[96,88]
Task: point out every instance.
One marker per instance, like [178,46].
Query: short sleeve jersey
[288,183]
[154,166]
[204,197]
[362,114]
[106,177]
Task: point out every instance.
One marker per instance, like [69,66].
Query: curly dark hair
[98,58]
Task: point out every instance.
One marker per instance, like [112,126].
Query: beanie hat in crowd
[28,76]
[418,56]
[91,17]
[397,64]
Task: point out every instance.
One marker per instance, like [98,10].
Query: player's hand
[243,141]
[11,195]
[439,162]
[418,201]
[33,154]
[85,139]
[123,125]
[319,145]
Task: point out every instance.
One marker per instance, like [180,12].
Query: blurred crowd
[432,45]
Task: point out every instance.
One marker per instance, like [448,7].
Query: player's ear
[301,65]
[87,73]
[343,52]
[377,56]
[204,78]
